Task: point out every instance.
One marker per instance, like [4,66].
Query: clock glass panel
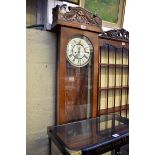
[78,80]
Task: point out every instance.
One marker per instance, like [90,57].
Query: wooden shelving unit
[113,86]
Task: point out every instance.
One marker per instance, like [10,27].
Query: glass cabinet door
[113,80]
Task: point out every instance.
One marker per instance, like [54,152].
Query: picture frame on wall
[110,11]
[72,1]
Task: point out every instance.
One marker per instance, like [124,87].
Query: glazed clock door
[78,80]
[77,75]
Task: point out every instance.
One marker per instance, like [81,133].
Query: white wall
[41,72]
[126,17]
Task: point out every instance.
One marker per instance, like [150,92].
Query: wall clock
[77,63]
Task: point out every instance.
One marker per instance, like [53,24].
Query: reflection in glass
[78,80]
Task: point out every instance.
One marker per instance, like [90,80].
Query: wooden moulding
[119,34]
[117,38]
[76,17]
[114,43]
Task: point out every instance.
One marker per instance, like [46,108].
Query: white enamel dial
[78,52]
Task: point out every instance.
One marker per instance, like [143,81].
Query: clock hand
[78,51]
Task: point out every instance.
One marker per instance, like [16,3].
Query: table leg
[117,151]
[50,146]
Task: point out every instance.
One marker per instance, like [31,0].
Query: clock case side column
[61,66]
[95,40]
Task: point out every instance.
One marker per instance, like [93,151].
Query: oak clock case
[77,71]
[77,63]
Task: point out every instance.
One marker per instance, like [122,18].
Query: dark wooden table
[90,137]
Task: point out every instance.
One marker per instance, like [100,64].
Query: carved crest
[121,34]
[75,14]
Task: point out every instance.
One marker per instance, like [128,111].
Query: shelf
[114,109]
[113,65]
[111,88]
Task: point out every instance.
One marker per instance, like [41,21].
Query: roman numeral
[74,59]
[86,47]
[86,52]
[85,56]
[83,60]
[79,61]
[70,55]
